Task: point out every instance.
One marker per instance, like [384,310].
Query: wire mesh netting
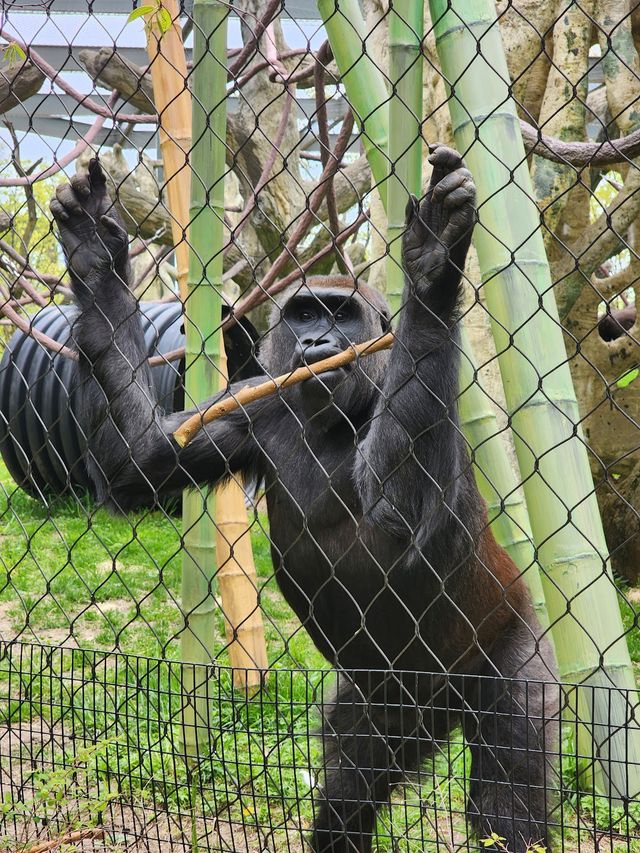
[319,427]
[99,751]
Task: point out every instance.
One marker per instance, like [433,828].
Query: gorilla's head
[320,318]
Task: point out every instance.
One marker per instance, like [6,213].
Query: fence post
[565,520]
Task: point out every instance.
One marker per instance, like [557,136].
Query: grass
[69,572]
[83,731]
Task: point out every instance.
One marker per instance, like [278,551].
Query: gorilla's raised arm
[131,456]
[412,466]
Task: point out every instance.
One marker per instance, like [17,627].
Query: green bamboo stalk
[202,349]
[507,511]
[345,29]
[580,592]
[496,480]
[406,25]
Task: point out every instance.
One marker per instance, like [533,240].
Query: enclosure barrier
[165,662]
[95,749]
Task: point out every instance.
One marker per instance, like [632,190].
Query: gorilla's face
[314,324]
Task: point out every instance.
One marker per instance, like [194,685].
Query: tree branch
[72,155]
[32,213]
[304,223]
[189,429]
[17,83]
[580,154]
[24,325]
[325,153]
[599,241]
[55,76]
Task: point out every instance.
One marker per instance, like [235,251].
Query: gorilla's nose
[317,350]
[315,341]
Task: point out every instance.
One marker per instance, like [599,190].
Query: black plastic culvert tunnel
[40,439]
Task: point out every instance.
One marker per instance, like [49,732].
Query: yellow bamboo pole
[230,548]
[168,66]
[238,581]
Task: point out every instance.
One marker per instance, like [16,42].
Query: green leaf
[628,377]
[139,12]
[13,53]
[164,20]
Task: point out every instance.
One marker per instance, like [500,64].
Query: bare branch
[17,83]
[306,219]
[580,154]
[105,65]
[55,76]
[24,325]
[72,155]
[249,48]
[601,239]
[258,296]
[266,169]
[262,293]
[325,153]
[32,213]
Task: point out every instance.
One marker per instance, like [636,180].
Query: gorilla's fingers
[80,184]
[449,183]
[113,227]
[446,158]
[412,208]
[96,175]
[460,196]
[68,199]
[58,211]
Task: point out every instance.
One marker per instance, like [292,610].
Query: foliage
[160,17]
[72,792]
[14,53]
[42,248]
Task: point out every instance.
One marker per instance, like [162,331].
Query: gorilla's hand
[91,231]
[439,230]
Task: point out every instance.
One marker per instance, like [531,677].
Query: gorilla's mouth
[329,378]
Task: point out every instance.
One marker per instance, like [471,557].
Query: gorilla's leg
[510,730]
[368,745]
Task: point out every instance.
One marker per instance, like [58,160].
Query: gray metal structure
[58,116]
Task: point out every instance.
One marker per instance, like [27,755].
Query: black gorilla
[379,537]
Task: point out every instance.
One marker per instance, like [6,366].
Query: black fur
[379,537]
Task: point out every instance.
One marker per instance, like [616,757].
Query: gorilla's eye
[342,316]
[306,316]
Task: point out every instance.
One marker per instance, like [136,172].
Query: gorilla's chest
[311,487]
[339,572]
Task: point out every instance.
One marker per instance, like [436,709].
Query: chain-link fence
[319,519]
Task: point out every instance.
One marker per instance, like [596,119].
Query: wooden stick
[71,838]
[186,432]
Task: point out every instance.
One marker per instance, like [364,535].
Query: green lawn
[96,726]
[72,574]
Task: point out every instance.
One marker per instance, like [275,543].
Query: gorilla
[379,537]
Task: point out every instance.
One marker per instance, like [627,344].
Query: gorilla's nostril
[314,342]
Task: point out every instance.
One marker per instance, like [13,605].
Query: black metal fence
[96,747]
